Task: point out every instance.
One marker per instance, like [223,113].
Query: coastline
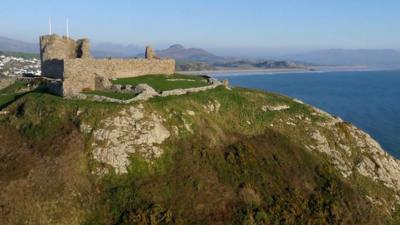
[314,69]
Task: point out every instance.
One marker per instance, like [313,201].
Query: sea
[368,99]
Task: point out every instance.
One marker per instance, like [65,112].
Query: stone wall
[54,49]
[53,68]
[147,93]
[79,74]
[69,60]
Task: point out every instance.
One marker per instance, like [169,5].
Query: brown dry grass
[43,182]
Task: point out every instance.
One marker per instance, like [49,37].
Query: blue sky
[282,24]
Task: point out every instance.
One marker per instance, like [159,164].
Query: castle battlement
[70,61]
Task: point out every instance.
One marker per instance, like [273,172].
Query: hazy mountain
[369,57]
[179,52]
[102,50]
[12,45]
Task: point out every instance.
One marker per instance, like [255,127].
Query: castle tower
[150,54]
[82,48]
[55,49]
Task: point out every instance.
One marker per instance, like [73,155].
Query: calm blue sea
[370,100]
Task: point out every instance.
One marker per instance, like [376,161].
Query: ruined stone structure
[149,54]
[70,61]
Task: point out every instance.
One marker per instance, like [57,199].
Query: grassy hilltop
[222,156]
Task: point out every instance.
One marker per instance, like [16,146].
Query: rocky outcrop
[145,92]
[213,84]
[212,106]
[357,152]
[266,108]
[375,162]
[131,131]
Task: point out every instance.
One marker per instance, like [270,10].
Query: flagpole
[67,28]
[50,25]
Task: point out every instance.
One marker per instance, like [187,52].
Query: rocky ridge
[131,132]
[373,162]
[254,157]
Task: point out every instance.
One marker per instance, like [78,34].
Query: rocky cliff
[225,156]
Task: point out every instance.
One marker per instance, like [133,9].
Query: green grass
[8,94]
[13,88]
[40,115]
[163,82]
[238,106]
[6,99]
[111,94]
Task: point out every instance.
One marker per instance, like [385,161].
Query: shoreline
[315,69]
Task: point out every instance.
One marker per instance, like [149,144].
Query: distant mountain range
[365,57]
[181,53]
[102,50]
[12,45]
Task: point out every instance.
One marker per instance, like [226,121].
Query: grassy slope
[231,172]
[9,94]
[162,83]
[234,169]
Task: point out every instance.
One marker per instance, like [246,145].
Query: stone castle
[70,62]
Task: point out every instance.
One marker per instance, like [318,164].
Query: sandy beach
[314,69]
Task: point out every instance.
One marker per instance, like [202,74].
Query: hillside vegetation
[224,156]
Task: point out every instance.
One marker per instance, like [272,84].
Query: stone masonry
[55,49]
[70,61]
[80,74]
[149,54]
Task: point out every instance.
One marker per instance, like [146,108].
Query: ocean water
[370,100]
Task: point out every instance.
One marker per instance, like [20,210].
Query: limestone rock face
[266,108]
[372,161]
[212,106]
[130,131]
[145,92]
